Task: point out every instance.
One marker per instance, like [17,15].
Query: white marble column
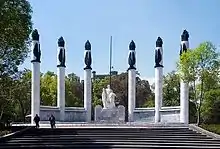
[35,86]
[131,81]
[131,93]
[88,81]
[184,88]
[158,79]
[61,78]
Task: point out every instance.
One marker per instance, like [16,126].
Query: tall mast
[110,59]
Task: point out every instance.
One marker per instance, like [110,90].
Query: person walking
[37,120]
[52,121]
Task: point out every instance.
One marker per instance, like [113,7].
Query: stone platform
[106,125]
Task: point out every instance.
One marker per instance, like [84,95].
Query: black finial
[61,42]
[132,45]
[35,35]
[159,42]
[185,36]
[87,45]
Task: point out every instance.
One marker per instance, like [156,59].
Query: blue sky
[139,20]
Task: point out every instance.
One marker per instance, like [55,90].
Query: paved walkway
[105,125]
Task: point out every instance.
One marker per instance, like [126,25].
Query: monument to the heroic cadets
[108,98]
[109,112]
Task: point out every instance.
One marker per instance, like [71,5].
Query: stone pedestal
[110,115]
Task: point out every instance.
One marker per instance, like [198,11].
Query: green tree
[22,94]
[15,28]
[97,86]
[198,65]
[48,89]
[74,91]
[6,106]
[211,107]
[15,96]
[171,89]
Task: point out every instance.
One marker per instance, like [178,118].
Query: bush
[212,127]
[211,107]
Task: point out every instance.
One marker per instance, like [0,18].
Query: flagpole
[110,59]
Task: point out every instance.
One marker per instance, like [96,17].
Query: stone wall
[168,114]
[46,111]
[72,114]
[75,114]
[78,114]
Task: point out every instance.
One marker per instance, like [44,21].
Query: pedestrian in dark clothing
[52,121]
[37,120]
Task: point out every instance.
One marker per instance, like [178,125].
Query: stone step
[115,128]
[117,135]
[111,144]
[118,140]
[110,131]
[110,138]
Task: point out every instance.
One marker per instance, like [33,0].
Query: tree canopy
[15,28]
[200,68]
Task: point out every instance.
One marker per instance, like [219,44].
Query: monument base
[110,115]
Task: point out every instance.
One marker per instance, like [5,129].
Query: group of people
[51,119]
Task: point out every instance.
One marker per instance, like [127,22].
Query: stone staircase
[68,138]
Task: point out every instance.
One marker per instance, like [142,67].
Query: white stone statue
[108,98]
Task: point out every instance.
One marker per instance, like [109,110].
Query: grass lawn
[211,127]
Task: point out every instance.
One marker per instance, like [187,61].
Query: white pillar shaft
[35,87]
[61,91]
[184,103]
[87,93]
[184,97]
[131,93]
[158,92]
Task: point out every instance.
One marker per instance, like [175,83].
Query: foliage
[97,86]
[212,127]
[211,107]
[192,112]
[74,91]
[150,102]
[22,94]
[48,89]
[6,104]
[171,89]
[201,65]
[15,27]
[120,86]
[15,96]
